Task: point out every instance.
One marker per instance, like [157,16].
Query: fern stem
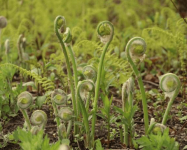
[83,109]
[140,82]
[57,119]
[171,85]
[127,98]
[88,101]
[74,65]
[25,115]
[68,68]
[69,127]
[75,72]
[99,76]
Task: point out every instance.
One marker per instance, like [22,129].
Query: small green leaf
[65,141]
[101,115]
[6,109]
[185,147]
[40,100]
[183,118]
[98,145]
[119,110]
[78,123]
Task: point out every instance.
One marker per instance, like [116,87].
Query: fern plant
[158,142]
[33,142]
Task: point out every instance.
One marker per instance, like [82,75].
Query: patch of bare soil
[178,129]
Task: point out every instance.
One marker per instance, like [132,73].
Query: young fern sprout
[66,115]
[156,128]
[20,53]
[3,22]
[135,50]
[67,36]
[25,100]
[170,84]
[21,43]
[85,86]
[35,129]
[127,101]
[127,91]
[68,40]
[60,27]
[58,97]
[105,32]
[89,73]
[62,131]
[39,118]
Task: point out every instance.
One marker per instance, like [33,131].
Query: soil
[177,129]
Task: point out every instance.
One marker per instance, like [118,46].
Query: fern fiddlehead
[60,25]
[66,115]
[21,44]
[25,100]
[89,73]
[39,118]
[67,39]
[85,86]
[59,97]
[155,127]
[170,84]
[3,22]
[127,91]
[105,32]
[135,50]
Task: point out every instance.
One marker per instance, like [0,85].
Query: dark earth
[177,129]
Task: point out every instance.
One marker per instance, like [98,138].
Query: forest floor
[177,129]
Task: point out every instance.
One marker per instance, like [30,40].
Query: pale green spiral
[89,72]
[105,31]
[39,117]
[25,100]
[65,113]
[3,22]
[59,97]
